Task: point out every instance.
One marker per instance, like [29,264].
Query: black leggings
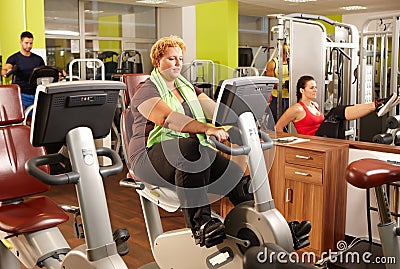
[334,124]
[193,170]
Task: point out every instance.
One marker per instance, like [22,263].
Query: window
[104,27]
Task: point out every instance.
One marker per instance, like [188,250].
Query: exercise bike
[73,113]
[373,173]
[242,102]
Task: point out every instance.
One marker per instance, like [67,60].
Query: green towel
[188,93]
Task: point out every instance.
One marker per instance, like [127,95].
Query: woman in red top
[308,119]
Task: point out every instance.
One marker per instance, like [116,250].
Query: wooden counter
[307,183]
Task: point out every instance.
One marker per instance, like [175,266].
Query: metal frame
[193,74]
[368,59]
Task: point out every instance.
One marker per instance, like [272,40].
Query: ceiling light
[61,32]
[93,11]
[300,1]
[152,2]
[353,8]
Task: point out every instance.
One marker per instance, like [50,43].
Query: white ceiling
[267,7]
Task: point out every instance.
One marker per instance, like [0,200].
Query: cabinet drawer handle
[289,195]
[302,174]
[303,157]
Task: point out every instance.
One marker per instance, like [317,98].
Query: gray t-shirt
[141,126]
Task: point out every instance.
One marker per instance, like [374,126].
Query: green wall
[110,26]
[217,35]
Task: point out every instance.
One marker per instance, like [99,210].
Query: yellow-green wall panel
[35,22]
[217,34]
[12,25]
[110,26]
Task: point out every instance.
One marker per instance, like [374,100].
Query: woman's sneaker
[210,233]
[384,105]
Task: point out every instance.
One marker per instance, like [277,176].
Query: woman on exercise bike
[169,148]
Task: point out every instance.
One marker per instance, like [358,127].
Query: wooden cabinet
[307,183]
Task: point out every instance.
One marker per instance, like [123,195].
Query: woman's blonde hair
[160,47]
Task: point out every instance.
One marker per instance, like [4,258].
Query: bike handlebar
[243,150]
[267,143]
[32,167]
[11,71]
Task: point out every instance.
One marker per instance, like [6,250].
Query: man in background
[24,61]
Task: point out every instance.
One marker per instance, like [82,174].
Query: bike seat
[164,197]
[368,173]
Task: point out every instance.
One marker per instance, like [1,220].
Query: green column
[110,26]
[217,35]
[14,17]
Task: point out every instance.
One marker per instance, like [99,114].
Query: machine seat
[33,214]
[23,214]
[164,197]
[132,81]
[369,173]
[9,112]
[19,211]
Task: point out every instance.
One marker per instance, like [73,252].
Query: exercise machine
[128,62]
[306,31]
[379,68]
[109,58]
[242,102]
[373,173]
[392,135]
[88,71]
[73,113]
[202,74]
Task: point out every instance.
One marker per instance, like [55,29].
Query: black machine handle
[267,143]
[117,165]
[32,167]
[12,71]
[243,150]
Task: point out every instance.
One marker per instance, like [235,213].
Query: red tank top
[310,123]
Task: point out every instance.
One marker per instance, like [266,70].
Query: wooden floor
[125,211]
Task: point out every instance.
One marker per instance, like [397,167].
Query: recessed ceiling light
[152,2]
[93,11]
[300,1]
[353,8]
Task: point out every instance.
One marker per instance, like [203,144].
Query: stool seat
[368,173]
[33,214]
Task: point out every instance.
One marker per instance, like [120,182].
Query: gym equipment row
[74,114]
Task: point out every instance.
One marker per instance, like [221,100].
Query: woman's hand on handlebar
[219,133]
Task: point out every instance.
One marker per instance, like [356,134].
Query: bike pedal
[120,236]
